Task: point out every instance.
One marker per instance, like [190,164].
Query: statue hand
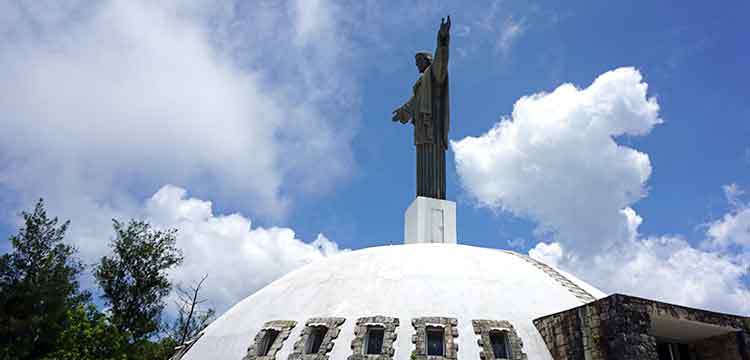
[395,114]
[445,27]
[400,115]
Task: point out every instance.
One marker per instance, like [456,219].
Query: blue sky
[279,113]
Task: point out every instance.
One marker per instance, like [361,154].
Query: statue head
[423,60]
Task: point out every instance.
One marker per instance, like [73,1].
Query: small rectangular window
[684,351]
[499,341]
[435,341]
[267,341]
[374,340]
[317,333]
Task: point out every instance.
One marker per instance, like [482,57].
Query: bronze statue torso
[432,127]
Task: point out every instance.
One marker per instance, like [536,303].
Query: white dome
[405,282]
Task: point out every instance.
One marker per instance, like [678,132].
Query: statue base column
[429,220]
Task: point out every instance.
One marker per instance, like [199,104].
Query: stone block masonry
[389,326]
[284,327]
[419,339]
[332,325]
[621,327]
[483,329]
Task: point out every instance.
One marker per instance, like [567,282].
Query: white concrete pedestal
[429,220]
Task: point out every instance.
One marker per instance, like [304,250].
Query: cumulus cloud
[667,268]
[124,95]
[671,269]
[733,229]
[556,161]
[238,258]
[550,254]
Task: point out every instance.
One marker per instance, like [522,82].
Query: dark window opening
[269,337]
[374,340]
[317,333]
[672,351]
[499,342]
[435,341]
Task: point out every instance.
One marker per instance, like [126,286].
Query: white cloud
[556,161]
[733,229]
[668,269]
[238,258]
[122,95]
[104,102]
[550,254]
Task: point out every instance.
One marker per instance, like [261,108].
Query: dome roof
[405,282]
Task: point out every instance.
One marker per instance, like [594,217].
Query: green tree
[89,336]
[152,350]
[134,279]
[38,285]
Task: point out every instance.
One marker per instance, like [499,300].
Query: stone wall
[483,329]
[573,334]
[419,339]
[332,324]
[284,327]
[617,328]
[624,332]
[388,324]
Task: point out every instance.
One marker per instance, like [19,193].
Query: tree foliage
[89,336]
[45,315]
[134,278]
[38,285]
[145,349]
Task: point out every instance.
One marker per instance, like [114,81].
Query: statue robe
[429,109]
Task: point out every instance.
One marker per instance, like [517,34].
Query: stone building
[433,299]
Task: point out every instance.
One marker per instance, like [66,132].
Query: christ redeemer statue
[429,111]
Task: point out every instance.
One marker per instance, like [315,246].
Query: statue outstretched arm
[403,113]
[440,64]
